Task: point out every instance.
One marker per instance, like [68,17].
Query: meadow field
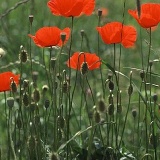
[79,80]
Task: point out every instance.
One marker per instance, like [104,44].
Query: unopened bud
[84,68]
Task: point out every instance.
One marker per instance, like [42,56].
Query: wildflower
[71,8]
[6,79]
[150,15]
[116,32]
[50,36]
[84,61]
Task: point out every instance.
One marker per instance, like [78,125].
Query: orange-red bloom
[91,61]
[150,15]
[71,8]
[116,32]
[50,36]
[5,80]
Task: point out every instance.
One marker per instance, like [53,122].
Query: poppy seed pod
[13,86]
[155,98]
[101,105]
[61,122]
[18,122]
[10,102]
[134,113]
[84,68]
[23,56]
[111,85]
[25,83]
[53,156]
[82,32]
[142,74]
[99,12]
[45,88]
[47,103]
[36,95]
[25,99]
[31,19]
[97,117]
[130,90]
[63,36]
[111,109]
[110,99]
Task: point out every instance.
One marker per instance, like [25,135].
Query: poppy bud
[47,103]
[84,68]
[13,86]
[134,113]
[97,117]
[130,90]
[111,85]
[36,95]
[61,122]
[101,105]
[111,109]
[31,19]
[23,56]
[10,102]
[25,99]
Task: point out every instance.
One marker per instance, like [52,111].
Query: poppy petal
[129,36]
[88,6]
[5,80]
[150,15]
[49,36]
[76,61]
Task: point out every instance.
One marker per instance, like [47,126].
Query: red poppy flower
[150,15]
[5,80]
[49,36]
[69,8]
[84,61]
[116,32]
